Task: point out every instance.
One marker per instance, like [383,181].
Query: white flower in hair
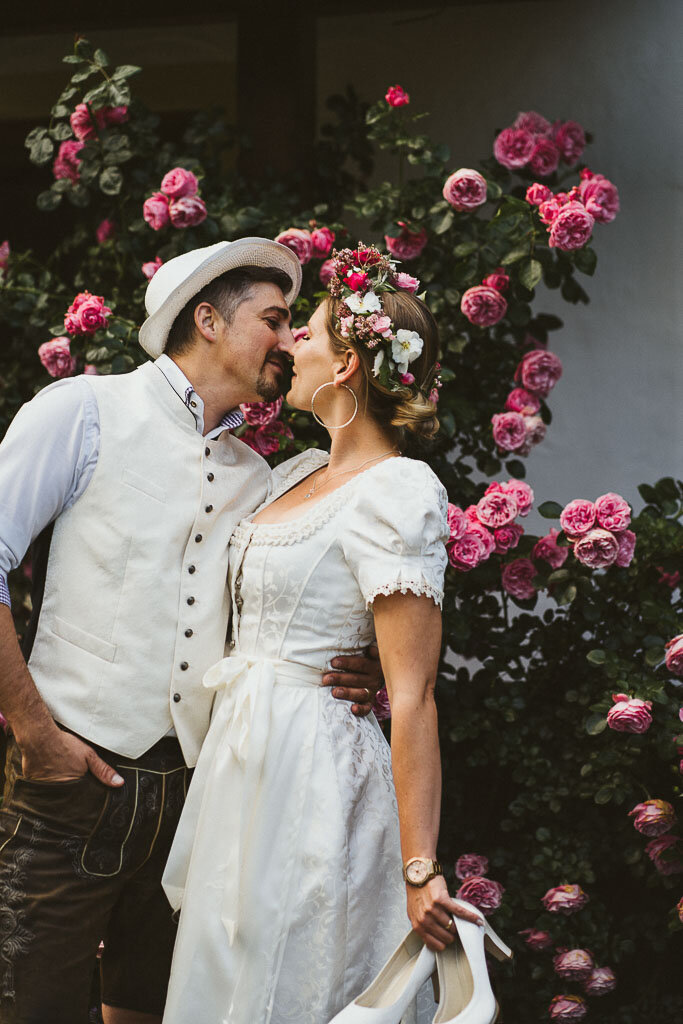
[368,303]
[405,348]
[379,359]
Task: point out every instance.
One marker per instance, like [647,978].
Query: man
[134,484]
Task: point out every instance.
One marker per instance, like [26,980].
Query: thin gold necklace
[341,472]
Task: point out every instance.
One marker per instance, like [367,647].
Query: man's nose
[286,341]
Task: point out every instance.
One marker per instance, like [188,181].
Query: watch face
[417,872]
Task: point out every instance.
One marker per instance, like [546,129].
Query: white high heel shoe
[466,996]
[388,997]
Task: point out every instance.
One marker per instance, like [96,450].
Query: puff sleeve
[396,530]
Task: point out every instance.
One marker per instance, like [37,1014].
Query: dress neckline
[310,509]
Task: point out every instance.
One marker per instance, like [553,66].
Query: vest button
[176,697]
[207,451]
[188,632]
[190,600]
[191,569]
[209,508]
[210,477]
[184,666]
[198,538]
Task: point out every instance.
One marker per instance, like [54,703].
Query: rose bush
[534,777]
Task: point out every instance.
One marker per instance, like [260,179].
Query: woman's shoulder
[299,466]
[405,494]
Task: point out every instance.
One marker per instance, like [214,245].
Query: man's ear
[347,365]
[206,321]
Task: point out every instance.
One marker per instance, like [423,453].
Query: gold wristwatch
[420,870]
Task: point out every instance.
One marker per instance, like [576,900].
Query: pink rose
[532,122]
[563,1008]
[465,189]
[549,210]
[90,370]
[564,899]
[83,125]
[544,158]
[670,579]
[674,655]
[466,552]
[664,852]
[299,333]
[600,197]
[381,324]
[513,147]
[536,939]
[534,432]
[483,893]
[105,231]
[86,314]
[570,139]
[537,194]
[629,714]
[299,241]
[187,212]
[327,272]
[397,97]
[572,227]
[612,512]
[67,161]
[483,306]
[653,817]
[155,210]
[597,549]
[322,240]
[471,864]
[149,269]
[573,963]
[266,439]
[178,183]
[114,115]
[600,981]
[626,549]
[522,401]
[457,523]
[517,578]
[486,536]
[408,245]
[539,372]
[578,517]
[4,257]
[522,493]
[509,430]
[356,281]
[507,537]
[498,280]
[56,357]
[257,414]
[381,706]
[549,551]
[497,509]
[407,283]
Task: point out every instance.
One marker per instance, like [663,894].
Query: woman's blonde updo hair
[409,412]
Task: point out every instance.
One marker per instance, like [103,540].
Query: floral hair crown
[359,278]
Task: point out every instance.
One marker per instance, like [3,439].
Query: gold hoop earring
[322,423]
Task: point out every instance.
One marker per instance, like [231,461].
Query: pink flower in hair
[407,283]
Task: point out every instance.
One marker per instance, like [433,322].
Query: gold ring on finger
[449,926]
[367,691]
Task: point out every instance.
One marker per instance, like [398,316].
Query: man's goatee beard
[267,389]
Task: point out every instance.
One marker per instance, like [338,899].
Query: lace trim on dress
[293,531]
[419,587]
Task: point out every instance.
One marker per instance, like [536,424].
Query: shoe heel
[494,945]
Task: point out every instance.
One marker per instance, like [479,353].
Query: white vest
[135,607]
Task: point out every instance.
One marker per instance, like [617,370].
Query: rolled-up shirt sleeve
[47,459]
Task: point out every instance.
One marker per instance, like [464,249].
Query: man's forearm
[20,702]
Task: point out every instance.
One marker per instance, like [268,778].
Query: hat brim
[244,252]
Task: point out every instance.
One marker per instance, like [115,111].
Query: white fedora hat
[177,281]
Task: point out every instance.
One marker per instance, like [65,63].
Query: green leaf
[550,510]
[516,468]
[72,59]
[567,595]
[530,273]
[443,223]
[34,135]
[514,255]
[586,260]
[604,795]
[48,200]
[596,723]
[79,196]
[648,494]
[597,656]
[558,575]
[111,181]
[100,58]
[42,151]
[125,71]
[465,248]
[493,190]
[654,655]
[81,76]
[62,131]
[60,110]
[97,93]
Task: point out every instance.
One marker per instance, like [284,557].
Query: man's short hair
[225,293]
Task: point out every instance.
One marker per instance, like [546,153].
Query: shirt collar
[185,391]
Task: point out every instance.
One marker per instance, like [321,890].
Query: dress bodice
[302,590]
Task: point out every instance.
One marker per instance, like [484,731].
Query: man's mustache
[280,359]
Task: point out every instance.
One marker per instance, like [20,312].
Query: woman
[287,860]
